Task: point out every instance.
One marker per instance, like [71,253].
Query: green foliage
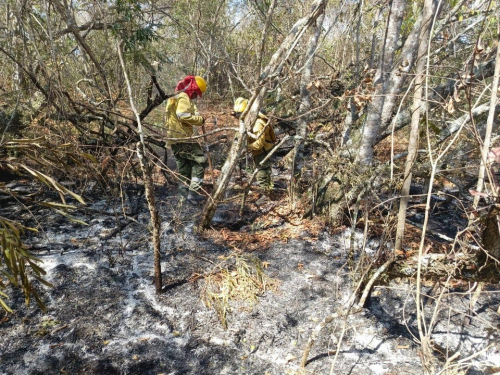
[45,326]
[131,26]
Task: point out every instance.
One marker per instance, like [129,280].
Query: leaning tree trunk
[70,20]
[372,125]
[268,77]
[305,106]
[400,72]
[403,118]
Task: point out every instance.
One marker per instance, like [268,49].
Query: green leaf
[39,301]
[11,278]
[89,157]
[4,305]
[57,205]
[76,196]
[71,218]
[34,141]
[39,270]
[43,281]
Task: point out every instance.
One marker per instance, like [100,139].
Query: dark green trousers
[191,163]
[263,177]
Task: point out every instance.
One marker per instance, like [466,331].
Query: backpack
[271,135]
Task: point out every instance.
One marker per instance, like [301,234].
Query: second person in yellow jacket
[261,146]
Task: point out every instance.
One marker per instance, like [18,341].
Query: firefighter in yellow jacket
[261,146]
[181,120]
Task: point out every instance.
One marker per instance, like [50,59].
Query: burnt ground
[103,316]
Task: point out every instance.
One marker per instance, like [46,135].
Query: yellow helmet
[240,105]
[200,82]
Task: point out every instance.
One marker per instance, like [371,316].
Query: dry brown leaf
[494,155]
[450,107]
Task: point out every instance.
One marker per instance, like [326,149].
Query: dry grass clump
[239,278]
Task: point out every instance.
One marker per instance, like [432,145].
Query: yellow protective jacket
[266,141]
[181,116]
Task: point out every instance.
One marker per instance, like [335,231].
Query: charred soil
[103,316]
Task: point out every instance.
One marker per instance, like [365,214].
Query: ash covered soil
[103,316]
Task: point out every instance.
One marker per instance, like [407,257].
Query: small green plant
[46,326]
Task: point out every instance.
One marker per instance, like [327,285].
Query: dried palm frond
[241,278]
[18,267]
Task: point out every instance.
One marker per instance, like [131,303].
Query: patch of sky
[237,10]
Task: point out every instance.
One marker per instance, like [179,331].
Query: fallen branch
[370,283]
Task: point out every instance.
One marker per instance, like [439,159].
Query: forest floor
[242,298]
[103,316]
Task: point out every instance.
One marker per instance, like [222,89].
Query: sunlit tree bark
[415,120]
[381,81]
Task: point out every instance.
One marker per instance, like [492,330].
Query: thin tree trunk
[155,219]
[400,73]
[305,106]
[374,37]
[424,331]
[415,120]
[352,116]
[491,232]
[372,125]
[489,128]
[148,183]
[72,25]
[264,34]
